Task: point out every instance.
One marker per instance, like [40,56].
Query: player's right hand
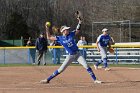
[46,26]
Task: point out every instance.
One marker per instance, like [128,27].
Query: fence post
[21,40]
[54,55]
[28,54]
[116,56]
[4,56]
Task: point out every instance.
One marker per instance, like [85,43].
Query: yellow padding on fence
[117,45]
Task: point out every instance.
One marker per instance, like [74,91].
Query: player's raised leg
[97,64]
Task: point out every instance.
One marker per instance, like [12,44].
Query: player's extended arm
[48,34]
[97,46]
[78,26]
[112,41]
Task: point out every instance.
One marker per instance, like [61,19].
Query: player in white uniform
[67,40]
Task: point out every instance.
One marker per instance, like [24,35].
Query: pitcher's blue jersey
[68,42]
[103,40]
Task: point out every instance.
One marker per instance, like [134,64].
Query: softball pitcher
[102,42]
[67,40]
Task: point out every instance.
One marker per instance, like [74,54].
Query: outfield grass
[111,65]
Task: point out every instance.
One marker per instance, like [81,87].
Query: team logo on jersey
[67,41]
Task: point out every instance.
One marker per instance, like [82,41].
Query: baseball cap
[105,29]
[64,28]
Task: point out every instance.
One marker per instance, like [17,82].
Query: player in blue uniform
[103,44]
[67,40]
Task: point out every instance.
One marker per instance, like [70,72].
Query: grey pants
[103,52]
[70,58]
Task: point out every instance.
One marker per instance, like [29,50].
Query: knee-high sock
[99,62]
[91,73]
[105,62]
[53,75]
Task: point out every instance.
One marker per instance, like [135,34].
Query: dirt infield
[74,79]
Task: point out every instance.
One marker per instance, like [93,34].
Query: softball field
[75,79]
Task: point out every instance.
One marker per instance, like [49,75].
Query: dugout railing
[125,53]
[121,56]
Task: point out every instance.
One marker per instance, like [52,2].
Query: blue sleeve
[73,33]
[57,38]
[109,37]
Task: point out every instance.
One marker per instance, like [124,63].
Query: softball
[48,24]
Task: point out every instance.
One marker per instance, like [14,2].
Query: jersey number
[70,44]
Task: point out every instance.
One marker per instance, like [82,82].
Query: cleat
[45,81]
[97,82]
[107,69]
[96,67]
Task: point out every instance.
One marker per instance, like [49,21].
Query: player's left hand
[111,50]
[79,19]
